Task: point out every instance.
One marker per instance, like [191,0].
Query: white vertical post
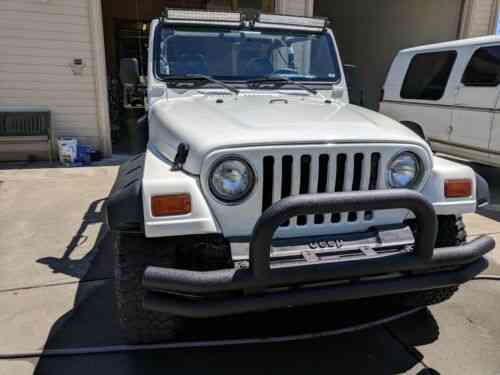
[295,7]
[494,17]
[479,18]
[309,8]
[101,78]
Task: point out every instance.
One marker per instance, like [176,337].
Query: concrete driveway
[56,292]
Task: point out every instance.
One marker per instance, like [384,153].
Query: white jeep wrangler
[263,188]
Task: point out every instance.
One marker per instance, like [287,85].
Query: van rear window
[484,68]
[428,75]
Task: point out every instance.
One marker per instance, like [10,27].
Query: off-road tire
[204,253]
[451,232]
[133,253]
[427,297]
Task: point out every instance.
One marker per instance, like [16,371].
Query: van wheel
[133,253]
[451,232]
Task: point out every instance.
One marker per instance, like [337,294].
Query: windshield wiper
[273,78]
[206,78]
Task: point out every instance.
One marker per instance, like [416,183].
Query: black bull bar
[240,290]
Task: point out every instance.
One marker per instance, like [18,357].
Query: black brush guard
[240,290]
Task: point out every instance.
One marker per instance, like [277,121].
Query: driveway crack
[50,285]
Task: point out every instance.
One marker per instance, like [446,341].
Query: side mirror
[349,71]
[356,91]
[129,71]
[350,74]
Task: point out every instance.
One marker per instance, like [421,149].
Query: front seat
[258,67]
[191,63]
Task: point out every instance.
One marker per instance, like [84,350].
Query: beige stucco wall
[479,18]
[39,40]
[370,33]
[295,7]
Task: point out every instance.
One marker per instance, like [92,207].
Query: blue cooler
[83,154]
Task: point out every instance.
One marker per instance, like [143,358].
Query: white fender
[159,179]
[434,189]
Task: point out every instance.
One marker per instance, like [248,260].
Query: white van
[449,93]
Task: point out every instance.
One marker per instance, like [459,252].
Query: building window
[484,68]
[428,75]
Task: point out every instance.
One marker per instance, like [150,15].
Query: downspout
[493,17]
[464,20]
[281,8]
[101,77]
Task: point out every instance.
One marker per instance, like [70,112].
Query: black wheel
[204,253]
[134,253]
[426,297]
[451,232]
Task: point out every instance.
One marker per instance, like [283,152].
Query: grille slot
[305,177]
[323,175]
[320,173]
[267,188]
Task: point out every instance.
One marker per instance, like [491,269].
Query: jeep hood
[207,123]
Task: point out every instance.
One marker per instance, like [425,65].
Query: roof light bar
[295,22]
[202,17]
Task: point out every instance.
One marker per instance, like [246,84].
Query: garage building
[63,54]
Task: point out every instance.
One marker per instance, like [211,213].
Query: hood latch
[180,157]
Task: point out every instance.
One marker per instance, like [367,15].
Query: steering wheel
[285,72]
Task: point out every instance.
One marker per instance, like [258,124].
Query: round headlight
[405,171]
[232,180]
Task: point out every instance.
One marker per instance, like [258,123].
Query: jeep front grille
[289,175]
[284,170]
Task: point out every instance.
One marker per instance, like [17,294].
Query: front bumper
[268,284]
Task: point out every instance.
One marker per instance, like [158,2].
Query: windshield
[240,55]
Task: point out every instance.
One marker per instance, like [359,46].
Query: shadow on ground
[93,322]
[79,268]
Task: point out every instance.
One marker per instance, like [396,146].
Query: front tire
[427,297]
[133,253]
[451,232]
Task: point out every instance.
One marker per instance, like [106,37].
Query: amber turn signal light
[171,205]
[458,188]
